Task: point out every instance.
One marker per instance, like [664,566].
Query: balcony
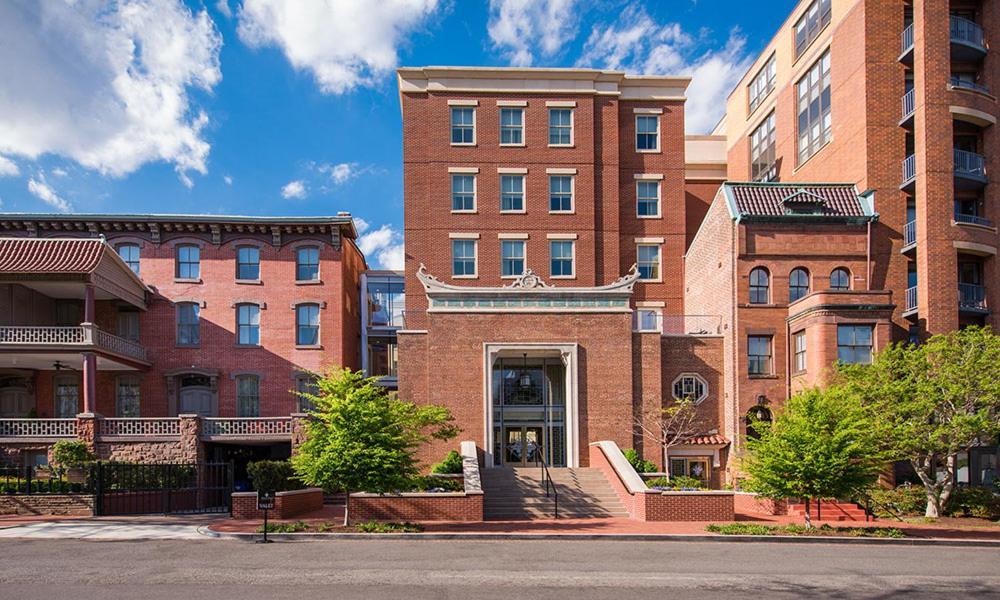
[963,84]
[972,298]
[970,170]
[909,173]
[86,337]
[256,428]
[42,430]
[968,43]
[221,429]
[909,237]
[911,302]
[906,53]
[967,219]
[909,109]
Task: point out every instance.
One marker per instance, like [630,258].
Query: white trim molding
[464,170]
[463,102]
[560,171]
[648,240]
[648,176]
[560,103]
[512,170]
[561,236]
[512,236]
[639,110]
[463,236]
[512,102]
[650,304]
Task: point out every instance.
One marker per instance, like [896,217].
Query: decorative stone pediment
[528,293]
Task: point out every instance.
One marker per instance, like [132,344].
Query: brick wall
[286,504]
[754,504]
[416,507]
[40,504]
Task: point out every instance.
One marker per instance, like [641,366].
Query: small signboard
[265,501]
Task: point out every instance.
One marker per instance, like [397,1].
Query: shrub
[640,465]
[376,527]
[436,484]
[975,502]
[68,454]
[272,476]
[901,501]
[295,527]
[795,529]
[451,465]
[679,482]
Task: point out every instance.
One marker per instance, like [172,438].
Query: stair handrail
[547,479]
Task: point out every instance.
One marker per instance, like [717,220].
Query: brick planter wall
[746,502]
[286,504]
[44,504]
[454,506]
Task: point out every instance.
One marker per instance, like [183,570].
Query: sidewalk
[143,527]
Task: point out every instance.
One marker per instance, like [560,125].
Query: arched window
[760,286]
[840,279]
[756,415]
[798,284]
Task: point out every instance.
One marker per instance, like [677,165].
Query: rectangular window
[511,258]
[188,325]
[560,193]
[813,93]
[128,325]
[188,262]
[762,152]
[807,29]
[69,313]
[248,263]
[307,264]
[762,84]
[647,199]
[127,397]
[511,126]
[560,127]
[247,396]
[647,319]
[248,324]
[463,126]
[512,193]
[562,258]
[759,354]
[647,133]
[130,254]
[67,400]
[383,358]
[307,325]
[854,344]
[463,193]
[648,261]
[305,384]
[800,352]
[463,258]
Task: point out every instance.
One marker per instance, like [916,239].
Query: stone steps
[519,494]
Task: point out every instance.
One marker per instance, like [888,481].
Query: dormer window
[803,202]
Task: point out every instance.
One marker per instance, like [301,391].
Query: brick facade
[416,507]
[286,504]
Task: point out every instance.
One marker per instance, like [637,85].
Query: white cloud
[638,44]
[41,190]
[344,44]
[361,225]
[383,247]
[227,179]
[223,7]
[107,85]
[59,172]
[340,172]
[522,28]
[8,168]
[294,189]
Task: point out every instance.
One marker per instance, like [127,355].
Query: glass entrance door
[522,445]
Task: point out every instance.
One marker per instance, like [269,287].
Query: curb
[607,537]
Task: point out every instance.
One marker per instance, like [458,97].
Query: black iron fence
[38,480]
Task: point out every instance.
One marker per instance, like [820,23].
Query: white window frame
[659,135]
[500,111]
[572,126]
[475,258]
[659,260]
[524,194]
[657,319]
[802,352]
[695,376]
[762,85]
[659,199]
[524,257]
[128,380]
[572,258]
[572,194]
[475,119]
[475,193]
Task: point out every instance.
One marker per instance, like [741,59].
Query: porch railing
[973,220]
[909,103]
[971,296]
[907,39]
[967,32]
[969,85]
[911,298]
[246,428]
[909,234]
[969,164]
[909,169]
[38,428]
[140,427]
[81,337]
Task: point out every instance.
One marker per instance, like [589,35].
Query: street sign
[265,501]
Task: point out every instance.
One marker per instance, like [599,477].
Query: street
[155,569]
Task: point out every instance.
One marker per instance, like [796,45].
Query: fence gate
[137,489]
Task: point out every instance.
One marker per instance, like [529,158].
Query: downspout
[868,258]
[734,329]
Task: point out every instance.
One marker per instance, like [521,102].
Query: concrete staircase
[518,494]
[829,511]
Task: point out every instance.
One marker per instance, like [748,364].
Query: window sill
[464,212]
[188,346]
[762,376]
[472,145]
[249,282]
[465,276]
[657,151]
[308,346]
[562,212]
[309,282]
[186,280]
[513,145]
[649,216]
[650,280]
[562,145]
[247,346]
[562,277]
[513,212]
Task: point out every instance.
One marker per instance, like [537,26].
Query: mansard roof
[796,201]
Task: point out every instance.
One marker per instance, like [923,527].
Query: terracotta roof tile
[709,440]
[769,199]
[50,255]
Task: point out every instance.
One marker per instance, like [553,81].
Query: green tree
[676,425]
[363,438]
[820,445]
[932,402]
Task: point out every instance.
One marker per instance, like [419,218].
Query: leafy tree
[932,402]
[675,425]
[820,445]
[363,438]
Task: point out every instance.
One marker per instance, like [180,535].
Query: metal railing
[967,32]
[911,298]
[969,85]
[677,324]
[969,163]
[909,168]
[41,480]
[971,296]
[38,428]
[140,427]
[907,39]
[973,220]
[547,481]
[909,234]
[82,337]
[246,427]
[909,103]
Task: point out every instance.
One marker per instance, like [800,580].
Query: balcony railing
[690,324]
[970,164]
[909,104]
[909,234]
[83,337]
[967,32]
[140,428]
[911,299]
[909,169]
[214,428]
[907,39]
[973,220]
[971,297]
[958,82]
[38,428]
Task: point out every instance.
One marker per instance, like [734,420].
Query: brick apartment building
[140,318]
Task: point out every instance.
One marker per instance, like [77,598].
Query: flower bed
[824,530]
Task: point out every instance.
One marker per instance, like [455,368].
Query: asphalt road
[223,569]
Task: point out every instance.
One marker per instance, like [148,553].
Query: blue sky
[270,107]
